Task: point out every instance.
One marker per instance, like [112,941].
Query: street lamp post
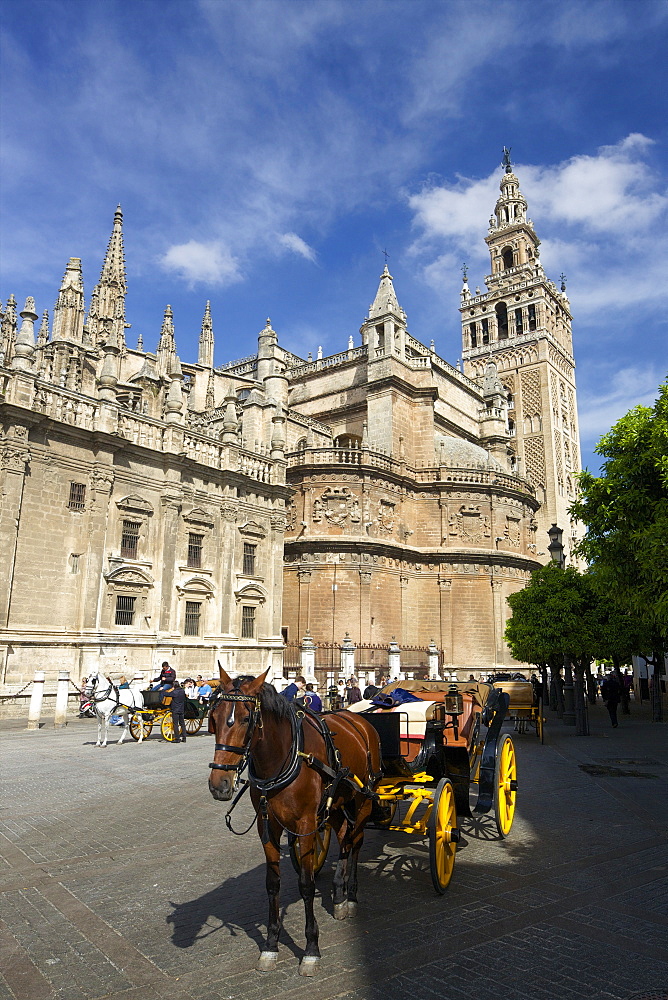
[556,550]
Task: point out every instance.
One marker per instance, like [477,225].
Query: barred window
[193,617]
[195,550]
[247,622]
[77,499]
[125,610]
[249,558]
[130,539]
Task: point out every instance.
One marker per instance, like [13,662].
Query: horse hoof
[309,965]
[341,910]
[352,907]
[267,961]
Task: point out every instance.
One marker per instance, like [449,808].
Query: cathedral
[153,508]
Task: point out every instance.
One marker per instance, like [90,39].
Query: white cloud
[623,389]
[209,263]
[295,243]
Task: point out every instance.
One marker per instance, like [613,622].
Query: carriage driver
[166,678]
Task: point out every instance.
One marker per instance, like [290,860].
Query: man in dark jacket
[178,707]
[167,676]
[295,690]
[611,692]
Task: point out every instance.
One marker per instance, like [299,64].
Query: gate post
[394,659]
[35,710]
[60,718]
[433,662]
[307,658]
[347,648]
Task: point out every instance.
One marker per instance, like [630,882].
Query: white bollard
[62,691]
[35,710]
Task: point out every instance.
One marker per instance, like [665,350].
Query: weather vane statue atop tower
[506,159]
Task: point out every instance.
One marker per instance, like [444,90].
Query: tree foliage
[625,511]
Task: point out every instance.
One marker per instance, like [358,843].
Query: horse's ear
[224,677]
[257,683]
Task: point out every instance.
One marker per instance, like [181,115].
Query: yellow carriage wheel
[141,724]
[193,726]
[443,835]
[505,786]
[166,727]
[322,839]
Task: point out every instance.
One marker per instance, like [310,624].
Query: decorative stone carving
[199,516]
[513,531]
[228,511]
[14,459]
[135,504]
[278,522]
[385,516]
[336,505]
[470,525]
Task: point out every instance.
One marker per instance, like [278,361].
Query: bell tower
[522,323]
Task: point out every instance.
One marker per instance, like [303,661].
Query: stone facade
[152,509]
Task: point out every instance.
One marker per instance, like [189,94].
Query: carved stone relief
[470,525]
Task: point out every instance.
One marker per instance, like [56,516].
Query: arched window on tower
[473,331]
[507,255]
[502,320]
[532,317]
[485,331]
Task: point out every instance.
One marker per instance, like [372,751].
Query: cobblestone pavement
[120,880]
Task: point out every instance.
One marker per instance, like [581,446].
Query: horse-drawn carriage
[525,707]
[408,765]
[157,712]
[433,756]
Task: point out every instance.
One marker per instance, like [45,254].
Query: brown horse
[298,781]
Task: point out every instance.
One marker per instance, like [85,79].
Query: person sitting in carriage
[166,678]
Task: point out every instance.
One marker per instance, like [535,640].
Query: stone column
[35,710]
[445,609]
[14,459]
[307,657]
[365,606]
[394,659]
[433,662]
[62,691]
[347,648]
[498,619]
[98,517]
[303,609]
[171,508]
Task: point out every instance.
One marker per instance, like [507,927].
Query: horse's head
[234,716]
[92,682]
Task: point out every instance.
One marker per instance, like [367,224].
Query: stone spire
[210,400]
[24,349]
[68,314]
[107,307]
[8,331]
[386,299]
[174,399]
[205,356]
[43,334]
[167,344]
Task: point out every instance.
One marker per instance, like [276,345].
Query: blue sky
[266,152]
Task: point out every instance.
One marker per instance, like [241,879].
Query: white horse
[107,700]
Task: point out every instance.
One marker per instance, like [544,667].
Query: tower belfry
[522,323]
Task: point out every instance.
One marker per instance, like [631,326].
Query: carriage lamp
[454,707]
[454,702]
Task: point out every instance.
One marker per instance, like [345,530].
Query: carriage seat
[519,692]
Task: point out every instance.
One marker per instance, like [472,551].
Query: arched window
[507,255]
[474,335]
[502,320]
[301,445]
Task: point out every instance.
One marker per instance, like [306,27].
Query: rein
[333,773]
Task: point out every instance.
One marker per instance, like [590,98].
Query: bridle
[254,722]
[94,696]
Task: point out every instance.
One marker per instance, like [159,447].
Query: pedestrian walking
[178,707]
[353,693]
[611,693]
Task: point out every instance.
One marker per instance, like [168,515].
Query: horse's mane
[270,699]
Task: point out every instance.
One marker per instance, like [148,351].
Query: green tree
[625,511]
[555,621]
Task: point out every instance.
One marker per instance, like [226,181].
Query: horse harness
[333,773]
